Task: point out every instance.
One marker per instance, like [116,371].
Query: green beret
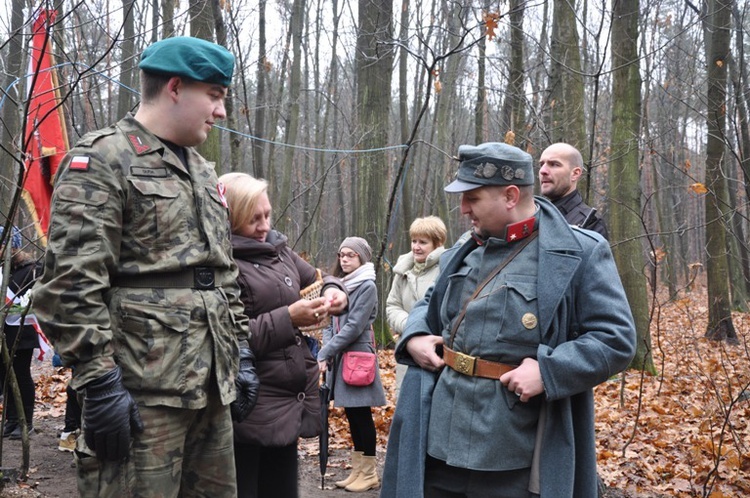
[193,58]
[492,163]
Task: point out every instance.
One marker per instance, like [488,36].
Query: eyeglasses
[348,255]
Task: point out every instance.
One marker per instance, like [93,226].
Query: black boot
[10,426]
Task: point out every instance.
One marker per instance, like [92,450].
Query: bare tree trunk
[480,107]
[235,153]
[129,61]
[260,93]
[10,125]
[567,120]
[202,26]
[514,109]
[167,9]
[624,172]
[292,112]
[738,73]
[374,69]
[717,36]
[445,102]
[399,244]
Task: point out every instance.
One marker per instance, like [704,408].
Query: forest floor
[684,432]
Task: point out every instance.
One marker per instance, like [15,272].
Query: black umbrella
[325,398]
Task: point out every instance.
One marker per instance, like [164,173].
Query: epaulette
[90,138]
[588,233]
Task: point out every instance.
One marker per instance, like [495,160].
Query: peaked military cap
[491,163]
[193,58]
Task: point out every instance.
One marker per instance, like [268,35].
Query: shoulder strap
[487,280]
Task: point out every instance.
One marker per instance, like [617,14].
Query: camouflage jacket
[124,204]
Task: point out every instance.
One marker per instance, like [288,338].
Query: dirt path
[52,474]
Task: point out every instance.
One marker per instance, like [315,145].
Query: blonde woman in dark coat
[288,407]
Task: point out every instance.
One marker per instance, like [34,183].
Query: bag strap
[372,332]
[486,281]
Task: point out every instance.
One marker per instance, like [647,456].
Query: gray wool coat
[352,332]
[588,335]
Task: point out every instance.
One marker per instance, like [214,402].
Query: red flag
[47,137]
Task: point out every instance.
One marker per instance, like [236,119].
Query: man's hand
[525,381]
[247,384]
[422,350]
[110,415]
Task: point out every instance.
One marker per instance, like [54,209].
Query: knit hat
[193,58]
[360,246]
[492,163]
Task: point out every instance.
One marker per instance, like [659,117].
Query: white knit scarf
[358,276]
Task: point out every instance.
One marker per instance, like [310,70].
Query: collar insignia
[138,144]
[520,230]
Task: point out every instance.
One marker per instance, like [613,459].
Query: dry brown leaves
[50,392]
[684,432]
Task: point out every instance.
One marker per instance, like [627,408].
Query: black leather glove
[109,416]
[247,384]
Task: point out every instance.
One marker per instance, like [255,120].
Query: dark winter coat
[271,275]
[578,213]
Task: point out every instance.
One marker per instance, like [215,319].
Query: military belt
[196,277]
[474,366]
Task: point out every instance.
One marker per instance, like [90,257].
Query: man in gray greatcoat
[526,317]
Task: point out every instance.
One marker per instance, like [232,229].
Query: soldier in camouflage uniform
[139,291]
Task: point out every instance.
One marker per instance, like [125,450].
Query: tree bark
[10,112]
[514,115]
[567,120]
[125,99]
[717,37]
[260,93]
[202,26]
[624,172]
[374,64]
[292,109]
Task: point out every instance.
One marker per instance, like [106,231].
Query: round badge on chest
[529,320]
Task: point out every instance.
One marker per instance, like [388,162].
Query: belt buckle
[203,278]
[465,364]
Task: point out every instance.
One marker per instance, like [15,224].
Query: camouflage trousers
[181,453]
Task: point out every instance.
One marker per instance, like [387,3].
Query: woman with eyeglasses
[352,331]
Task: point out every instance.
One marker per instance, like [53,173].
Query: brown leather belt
[473,366]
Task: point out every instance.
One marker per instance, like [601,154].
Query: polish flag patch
[80,163]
